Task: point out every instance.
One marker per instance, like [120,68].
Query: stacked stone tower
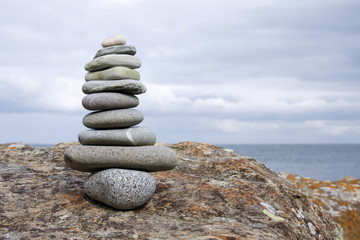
[117,152]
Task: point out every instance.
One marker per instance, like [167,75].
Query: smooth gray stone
[122,86]
[114,73]
[133,136]
[114,40]
[118,118]
[113,60]
[109,100]
[121,189]
[118,49]
[94,158]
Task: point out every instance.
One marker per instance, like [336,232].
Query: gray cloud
[214,69]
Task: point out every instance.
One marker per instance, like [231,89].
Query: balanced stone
[109,100]
[121,189]
[94,158]
[123,86]
[133,136]
[114,73]
[109,119]
[114,40]
[118,49]
[113,60]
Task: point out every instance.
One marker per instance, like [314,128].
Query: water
[317,161]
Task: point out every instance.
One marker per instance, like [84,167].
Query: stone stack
[115,150]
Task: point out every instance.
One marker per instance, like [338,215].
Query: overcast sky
[229,71]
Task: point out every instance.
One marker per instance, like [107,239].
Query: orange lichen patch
[350,223]
[73,201]
[340,198]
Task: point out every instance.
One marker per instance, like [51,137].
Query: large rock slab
[114,73]
[118,49]
[118,118]
[113,60]
[95,158]
[213,193]
[122,86]
[120,188]
[133,136]
[109,100]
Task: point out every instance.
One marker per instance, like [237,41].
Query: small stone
[94,158]
[113,60]
[118,49]
[115,73]
[114,40]
[122,86]
[133,136]
[109,100]
[121,189]
[109,119]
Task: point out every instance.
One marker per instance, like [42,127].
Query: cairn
[117,152]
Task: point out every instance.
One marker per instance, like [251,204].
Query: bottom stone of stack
[95,158]
[121,189]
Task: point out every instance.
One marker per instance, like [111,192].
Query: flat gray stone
[121,86]
[109,100]
[117,49]
[113,60]
[133,136]
[109,119]
[121,189]
[114,73]
[114,40]
[94,158]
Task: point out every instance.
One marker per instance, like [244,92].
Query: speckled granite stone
[109,100]
[118,118]
[94,158]
[123,86]
[133,136]
[114,73]
[113,60]
[121,189]
[117,49]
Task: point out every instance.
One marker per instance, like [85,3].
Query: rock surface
[146,158]
[133,136]
[119,188]
[117,118]
[123,86]
[113,60]
[118,49]
[339,198]
[213,193]
[109,100]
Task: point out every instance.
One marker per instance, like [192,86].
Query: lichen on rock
[213,193]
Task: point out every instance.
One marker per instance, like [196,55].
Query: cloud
[212,69]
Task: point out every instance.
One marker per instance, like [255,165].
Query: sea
[316,161]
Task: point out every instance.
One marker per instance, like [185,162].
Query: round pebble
[133,136]
[109,119]
[113,60]
[118,49]
[109,100]
[114,73]
[114,40]
[121,86]
[120,188]
[88,158]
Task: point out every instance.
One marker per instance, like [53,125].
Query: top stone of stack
[115,40]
